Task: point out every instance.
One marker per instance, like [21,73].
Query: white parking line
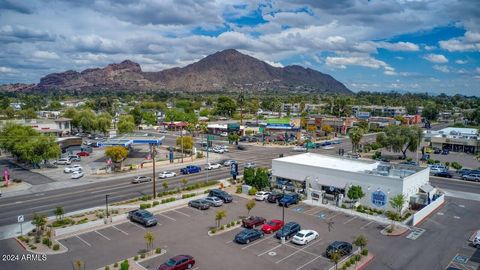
[176,211]
[363,227]
[167,217]
[113,226]
[103,235]
[259,241]
[269,250]
[137,225]
[298,250]
[309,262]
[79,238]
[350,220]
[228,242]
[334,215]
[314,208]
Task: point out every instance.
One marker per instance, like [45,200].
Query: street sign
[234,169]
[210,138]
[20,219]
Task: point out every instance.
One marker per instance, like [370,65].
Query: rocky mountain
[228,70]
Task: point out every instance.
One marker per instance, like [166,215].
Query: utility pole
[181,139]
[106,204]
[153,171]
[283,215]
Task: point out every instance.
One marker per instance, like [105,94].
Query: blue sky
[376,45]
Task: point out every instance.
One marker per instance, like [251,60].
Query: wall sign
[379,198]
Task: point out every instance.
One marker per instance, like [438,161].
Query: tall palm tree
[149,237]
[219,215]
[356,135]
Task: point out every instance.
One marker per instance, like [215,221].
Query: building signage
[379,198]
[233,127]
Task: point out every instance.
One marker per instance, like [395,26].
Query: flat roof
[459,131]
[351,165]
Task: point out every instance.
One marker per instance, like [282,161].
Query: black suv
[143,217]
[288,230]
[222,195]
[274,197]
[344,248]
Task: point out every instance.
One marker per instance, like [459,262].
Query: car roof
[291,223]
[337,243]
[179,257]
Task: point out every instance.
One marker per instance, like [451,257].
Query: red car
[83,154]
[179,262]
[272,226]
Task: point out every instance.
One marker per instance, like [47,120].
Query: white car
[211,166]
[250,165]
[229,162]
[73,168]
[303,237]
[166,174]
[224,147]
[223,134]
[261,195]
[63,161]
[77,175]
[141,179]
[328,147]
[218,150]
[299,149]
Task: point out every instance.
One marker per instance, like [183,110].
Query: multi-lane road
[91,195]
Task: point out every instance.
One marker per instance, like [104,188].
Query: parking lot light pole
[106,204]
[153,171]
[283,215]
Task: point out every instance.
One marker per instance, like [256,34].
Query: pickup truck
[289,199]
[190,169]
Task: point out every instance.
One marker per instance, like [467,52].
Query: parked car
[437,151]
[288,230]
[74,158]
[445,152]
[303,237]
[73,168]
[274,197]
[63,161]
[229,162]
[199,204]
[218,150]
[241,147]
[143,217]
[288,185]
[250,165]
[221,194]
[248,235]
[262,195]
[77,175]
[214,201]
[445,174]
[223,134]
[190,169]
[141,179]
[289,199]
[344,248]
[179,262]
[353,155]
[83,154]
[476,239]
[471,177]
[464,171]
[211,166]
[411,163]
[253,221]
[328,147]
[299,149]
[272,226]
[166,174]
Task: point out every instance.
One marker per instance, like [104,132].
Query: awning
[427,188]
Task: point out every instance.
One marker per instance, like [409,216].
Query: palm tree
[241,103]
[250,205]
[219,215]
[78,265]
[397,202]
[149,237]
[356,135]
[335,257]
[39,220]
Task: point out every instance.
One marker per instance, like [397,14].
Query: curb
[430,214]
[361,267]
[52,252]
[224,230]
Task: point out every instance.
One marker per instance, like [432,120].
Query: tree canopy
[401,138]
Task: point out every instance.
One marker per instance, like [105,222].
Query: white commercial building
[454,139]
[328,178]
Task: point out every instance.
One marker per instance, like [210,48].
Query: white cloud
[436,58]
[45,55]
[469,42]
[429,48]
[7,70]
[461,62]
[443,69]
[399,46]
[364,61]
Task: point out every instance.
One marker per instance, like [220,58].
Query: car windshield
[170,262]
[301,235]
[146,214]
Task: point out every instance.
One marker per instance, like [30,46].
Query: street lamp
[283,215]
[106,204]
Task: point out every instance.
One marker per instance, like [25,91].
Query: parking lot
[184,231]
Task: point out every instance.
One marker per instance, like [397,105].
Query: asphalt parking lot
[184,231]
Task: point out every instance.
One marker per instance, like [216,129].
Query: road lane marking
[88,244]
[348,221]
[363,227]
[167,217]
[299,250]
[103,235]
[256,242]
[119,230]
[187,215]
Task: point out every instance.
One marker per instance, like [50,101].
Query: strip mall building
[328,178]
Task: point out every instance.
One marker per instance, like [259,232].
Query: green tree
[253,106]
[72,113]
[430,111]
[397,202]
[54,106]
[184,182]
[137,115]
[219,215]
[411,108]
[241,104]
[187,142]
[149,238]
[360,241]
[117,154]
[59,212]
[233,137]
[165,185]
[249,176]
[335,257]
[27,114]
[79,265]
[327,129]
[355,193]
[261,178]
[124,265]
[39,220]
[355,134]
[103,123]
[225,106]
[86,120]
[401,138]
[250,205]
[150,118]
[9,112]
[126,124]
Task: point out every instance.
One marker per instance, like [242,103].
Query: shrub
[357,257]
[343,205]
[189,195]
[222,227]
[252,191]
[155,203]
[124,265]
[239,190]
[344,267]
[213,231]
[115,265]
[437,161]
[33,247]
[56,247]
[239,221]
[365,252]
[167,200]
[145,205]
[135,258]
[228,225]
[456,165]
[107,268]
[232,223]
[347,264]
[352,260]
[158,250]
[142,255]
